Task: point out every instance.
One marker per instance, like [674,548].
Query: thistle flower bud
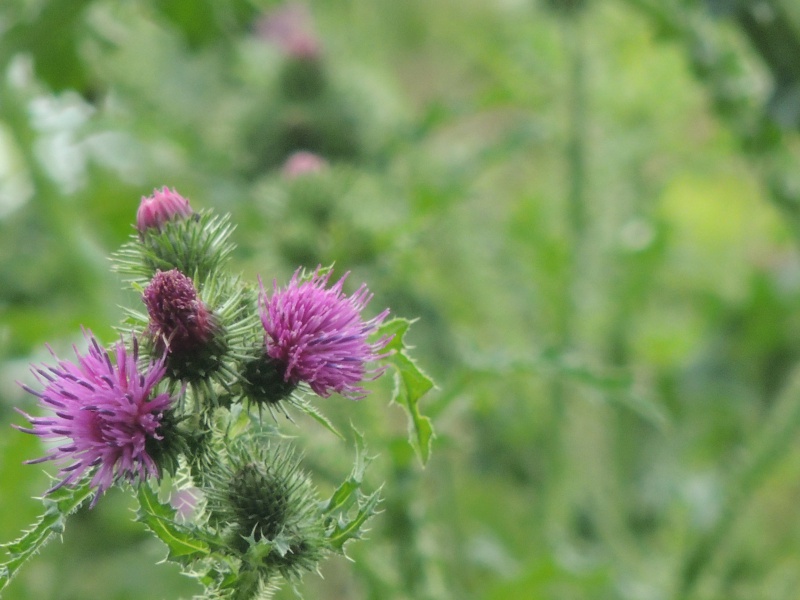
[164,205]
[263,381]
[302,163]
[290,28]
[262,499]
[195,243]
[182,326]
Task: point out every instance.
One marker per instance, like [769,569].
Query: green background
[592,208]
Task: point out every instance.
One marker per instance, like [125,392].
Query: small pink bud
[164,205]
[301,163]
[291,28]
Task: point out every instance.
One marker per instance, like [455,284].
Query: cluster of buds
[204,348]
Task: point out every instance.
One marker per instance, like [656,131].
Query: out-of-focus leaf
[51,38]
[207,22]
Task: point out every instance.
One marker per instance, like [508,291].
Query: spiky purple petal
[317,336]
[105,415]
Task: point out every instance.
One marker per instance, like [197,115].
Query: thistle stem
[767,448]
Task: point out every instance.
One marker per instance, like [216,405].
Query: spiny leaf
[410,384]
[344,494]
[346,530]
[58,505]
[183,545]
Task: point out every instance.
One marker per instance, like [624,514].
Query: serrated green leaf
[182,544]
[58,505]
[410,385]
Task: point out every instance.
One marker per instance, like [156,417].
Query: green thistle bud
[303,77]
[267,509]
[197,245]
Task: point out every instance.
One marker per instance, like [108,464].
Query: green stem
[576,144]
[768,447]
[575,158]
[411,564]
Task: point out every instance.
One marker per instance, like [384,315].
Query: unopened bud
[164,205]
[302,163]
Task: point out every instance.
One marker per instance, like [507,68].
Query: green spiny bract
[263,382]
[197,246]
[173,442]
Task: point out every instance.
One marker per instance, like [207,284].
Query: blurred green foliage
[592,207]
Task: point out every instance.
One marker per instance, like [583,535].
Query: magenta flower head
[316,335]
[106,417]
[164,205]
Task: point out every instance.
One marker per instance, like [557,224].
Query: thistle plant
[182,406]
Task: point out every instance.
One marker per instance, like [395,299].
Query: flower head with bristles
[106,417]
[196,243]
[183,327]
[316,335]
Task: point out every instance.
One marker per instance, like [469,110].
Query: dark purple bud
[179,321]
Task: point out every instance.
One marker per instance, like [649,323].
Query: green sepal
[410,385]
[59,504]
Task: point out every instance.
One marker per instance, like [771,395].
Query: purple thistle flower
[103,415]
[316,335]
[178,318]
[164,205]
